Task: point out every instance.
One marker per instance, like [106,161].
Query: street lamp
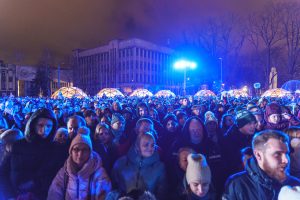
[221,61]
[184,64]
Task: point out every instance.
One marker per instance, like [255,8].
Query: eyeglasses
[83,150]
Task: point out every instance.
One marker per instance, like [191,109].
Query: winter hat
[81,139]
[197,169]
[210,117]
[290,193]
[272,108]
[84,131]
[244,117]
[208,114]
[117,117]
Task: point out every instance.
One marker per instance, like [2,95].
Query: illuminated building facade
[123,64]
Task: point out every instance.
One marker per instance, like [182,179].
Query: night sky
[28,27]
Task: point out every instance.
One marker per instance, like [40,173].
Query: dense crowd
[149,148]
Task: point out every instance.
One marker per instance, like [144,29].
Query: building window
[137,65]
[3,80]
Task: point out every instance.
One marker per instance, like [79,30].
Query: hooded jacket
[184,140]
[233,142]
[254,183]
[91,182]
[26,169]
[133,172]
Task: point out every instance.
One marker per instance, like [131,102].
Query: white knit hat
[197,169]
[81,139]
[289,193]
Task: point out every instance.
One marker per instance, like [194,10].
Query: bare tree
[290,17]
[265,33]
[221,36]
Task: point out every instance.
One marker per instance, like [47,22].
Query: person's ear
[258,155]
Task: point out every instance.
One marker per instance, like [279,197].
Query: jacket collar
[260,176]
[136,158]
[88,168]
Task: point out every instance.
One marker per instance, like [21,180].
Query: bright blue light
[184,64]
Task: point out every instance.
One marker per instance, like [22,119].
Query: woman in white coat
[82,176]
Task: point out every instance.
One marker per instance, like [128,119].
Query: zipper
[77,188]
[138,174]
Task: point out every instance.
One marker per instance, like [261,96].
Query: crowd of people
[149,148]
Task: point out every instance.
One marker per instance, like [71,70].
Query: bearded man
[266,172]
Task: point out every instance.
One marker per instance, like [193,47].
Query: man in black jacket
[238,137]
[266,173]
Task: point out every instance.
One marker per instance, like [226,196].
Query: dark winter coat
[232,144]
[108,154]
[280,126]
[255,184]
[26,169]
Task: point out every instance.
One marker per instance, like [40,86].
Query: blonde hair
[148,135]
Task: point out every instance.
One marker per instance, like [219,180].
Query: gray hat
[197,169]
[117,117]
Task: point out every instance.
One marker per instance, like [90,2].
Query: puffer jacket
[90,183]
[133,172]
[254,184]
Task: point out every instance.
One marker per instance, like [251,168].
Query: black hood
[30,133]
[185,130]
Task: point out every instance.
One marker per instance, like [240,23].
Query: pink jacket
[91,182]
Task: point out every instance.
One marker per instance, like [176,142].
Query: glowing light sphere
[278,92]
[164,93]
[141,93]
[109,92]
[204,93]
[69,92]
